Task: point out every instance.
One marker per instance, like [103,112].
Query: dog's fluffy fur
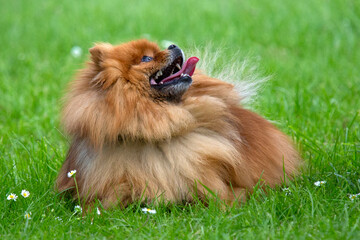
[128,142]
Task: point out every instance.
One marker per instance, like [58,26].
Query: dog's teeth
[178,66]
[184,75]
[158,74]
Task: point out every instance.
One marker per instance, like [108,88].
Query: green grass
[311,50]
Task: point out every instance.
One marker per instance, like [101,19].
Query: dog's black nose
[172,46]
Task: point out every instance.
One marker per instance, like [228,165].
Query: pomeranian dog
[145,125]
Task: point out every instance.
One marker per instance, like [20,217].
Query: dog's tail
[239,71]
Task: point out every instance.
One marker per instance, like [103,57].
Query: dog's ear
[98,52]
[104,78]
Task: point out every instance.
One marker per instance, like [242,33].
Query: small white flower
[148,210]
[287,191]
[71,173]
[76,51]
[77,208]
[25,193]
[354,196]
[319,183]
[58,218]
[12,196]
[98,211]
[27,215]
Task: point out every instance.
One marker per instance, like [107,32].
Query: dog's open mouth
[176,70]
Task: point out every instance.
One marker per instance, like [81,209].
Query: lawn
[310,50]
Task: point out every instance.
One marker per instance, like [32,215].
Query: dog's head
[162,75]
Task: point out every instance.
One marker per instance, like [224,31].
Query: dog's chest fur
[170,168]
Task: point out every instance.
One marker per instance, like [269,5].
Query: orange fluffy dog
[143,125]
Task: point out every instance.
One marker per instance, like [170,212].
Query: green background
[309,48]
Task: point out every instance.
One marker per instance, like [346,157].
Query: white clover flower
[354,196]
[25,193]
[12,196]
[27,215]
[71,173]
[287,191]
[77,208]
[319,183]
[76,51]
[148,210]
[98,211]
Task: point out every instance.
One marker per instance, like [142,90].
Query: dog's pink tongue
[190,65]
[188,68]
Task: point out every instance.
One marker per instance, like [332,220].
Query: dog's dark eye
[146,59]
